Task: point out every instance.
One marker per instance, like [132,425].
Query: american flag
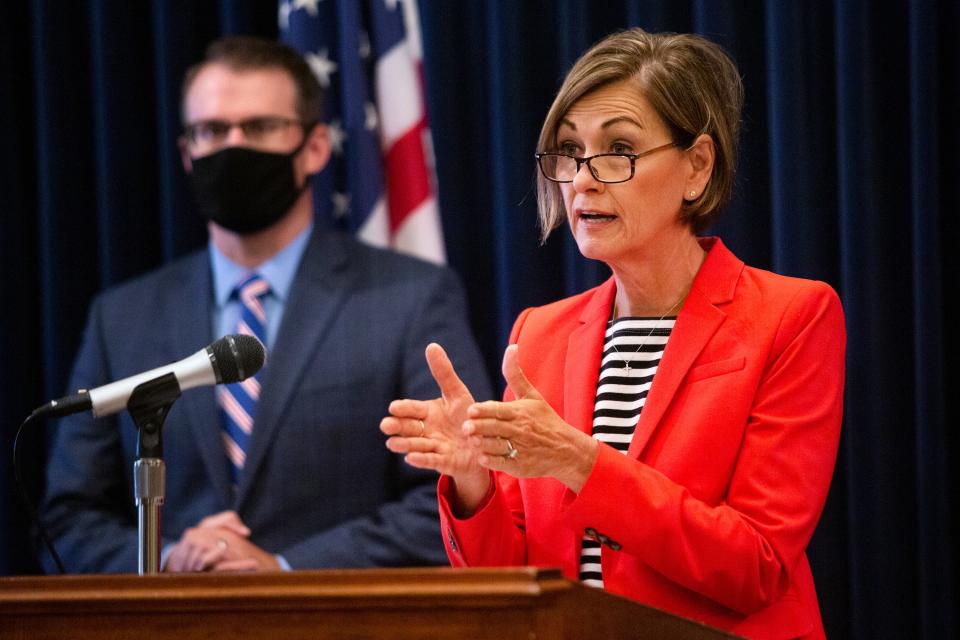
[380,182]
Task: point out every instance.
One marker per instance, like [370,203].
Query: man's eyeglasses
[261,130]
[605,167]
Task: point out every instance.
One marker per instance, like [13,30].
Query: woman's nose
[584,180]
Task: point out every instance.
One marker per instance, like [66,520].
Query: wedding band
[423,429]
[221,544]
[512,452]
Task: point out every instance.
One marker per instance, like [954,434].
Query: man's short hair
[244,53]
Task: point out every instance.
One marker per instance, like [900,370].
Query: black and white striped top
[632,350]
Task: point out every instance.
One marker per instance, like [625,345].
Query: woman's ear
[701,155]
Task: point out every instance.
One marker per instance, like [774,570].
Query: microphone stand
[148,406]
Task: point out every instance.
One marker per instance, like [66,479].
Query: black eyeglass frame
[633,157]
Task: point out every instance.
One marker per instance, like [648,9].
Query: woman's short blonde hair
[692,84]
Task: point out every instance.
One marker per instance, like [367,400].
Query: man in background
[288,469]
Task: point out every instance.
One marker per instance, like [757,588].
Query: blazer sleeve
[89,507]
[406,532]
[495,534]
[742,551]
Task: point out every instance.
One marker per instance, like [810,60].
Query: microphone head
[236,357]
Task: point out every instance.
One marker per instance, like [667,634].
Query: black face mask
[245,190]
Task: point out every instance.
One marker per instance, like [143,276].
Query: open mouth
[595,217]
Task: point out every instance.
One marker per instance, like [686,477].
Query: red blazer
[709,514]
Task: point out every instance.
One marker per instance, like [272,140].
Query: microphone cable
[24,496]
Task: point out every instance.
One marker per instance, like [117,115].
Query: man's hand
[242,555]
[219,543]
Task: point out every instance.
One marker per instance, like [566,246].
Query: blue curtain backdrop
[849,157]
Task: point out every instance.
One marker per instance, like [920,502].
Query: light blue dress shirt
[278,271]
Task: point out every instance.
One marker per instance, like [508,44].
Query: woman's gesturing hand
[430,432]
[526,437]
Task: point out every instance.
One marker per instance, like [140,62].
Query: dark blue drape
[846,175]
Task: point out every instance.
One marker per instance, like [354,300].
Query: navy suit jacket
[319,486]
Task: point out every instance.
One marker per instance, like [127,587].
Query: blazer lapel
[584,350]
[189,333]
[315,299]
[698,320]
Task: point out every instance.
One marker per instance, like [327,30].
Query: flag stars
[283,15]
[363,50]
[337,136]
[309,5]
[321,65]
[370,120]
[341,204]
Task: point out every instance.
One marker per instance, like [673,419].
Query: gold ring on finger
[512,452]
[423,429]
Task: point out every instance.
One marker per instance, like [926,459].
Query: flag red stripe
[408,183]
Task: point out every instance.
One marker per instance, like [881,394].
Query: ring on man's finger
[512,452]
[423,429]
[221,544]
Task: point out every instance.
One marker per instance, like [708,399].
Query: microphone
[230,359]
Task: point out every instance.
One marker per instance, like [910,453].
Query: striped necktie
[238,401]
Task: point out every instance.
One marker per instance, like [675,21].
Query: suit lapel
[189,333]
[582,365]
[316,298]
[697,322]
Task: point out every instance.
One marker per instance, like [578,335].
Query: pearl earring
[693,194]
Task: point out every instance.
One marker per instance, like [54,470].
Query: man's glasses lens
[213,132]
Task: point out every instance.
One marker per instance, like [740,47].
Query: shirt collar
[278,271]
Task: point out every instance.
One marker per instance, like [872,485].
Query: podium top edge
[410,583]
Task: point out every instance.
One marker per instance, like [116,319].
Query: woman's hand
[430,433]
[526,437]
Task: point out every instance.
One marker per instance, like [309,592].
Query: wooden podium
[523,603]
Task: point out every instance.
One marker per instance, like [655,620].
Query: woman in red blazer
[671,434]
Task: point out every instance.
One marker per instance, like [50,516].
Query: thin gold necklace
[626,363]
